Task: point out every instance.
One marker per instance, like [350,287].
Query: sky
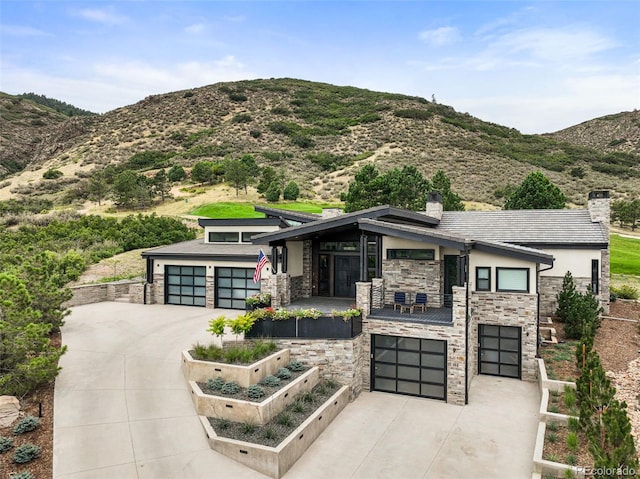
[536,66]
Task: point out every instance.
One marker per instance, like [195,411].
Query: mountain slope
[320,134]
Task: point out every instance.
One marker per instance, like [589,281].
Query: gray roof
[526,227]
[198,248]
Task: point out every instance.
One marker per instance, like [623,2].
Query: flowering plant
[258,299]
[347,314]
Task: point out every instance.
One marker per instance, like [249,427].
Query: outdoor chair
[400,301]
[420,302]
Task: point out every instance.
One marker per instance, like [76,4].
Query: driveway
[122,410]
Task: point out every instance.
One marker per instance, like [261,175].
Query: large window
[483,278]
[223,237]
[423,254]
[512,280]
[247,235]
[595,276]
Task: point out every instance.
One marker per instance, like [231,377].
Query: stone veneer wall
[296,285]
[550,286]
[210,292]
[307,265]
[454,334]
[279,287]
[377,293]
[97,293]
[415,277]
[506,309]
[338,359]
[158,288]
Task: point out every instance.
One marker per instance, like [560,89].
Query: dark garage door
[500,351]
[185,285]
[417,367]
[233,285]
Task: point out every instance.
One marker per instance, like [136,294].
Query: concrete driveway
[122,410]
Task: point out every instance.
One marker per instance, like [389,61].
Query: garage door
[233,285]
[417,367]
[185,285]
[500,350]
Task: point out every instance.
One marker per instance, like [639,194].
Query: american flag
[262,261]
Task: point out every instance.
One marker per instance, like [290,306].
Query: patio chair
[400,300]
[420,302]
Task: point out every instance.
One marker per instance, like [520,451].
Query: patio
[330,304]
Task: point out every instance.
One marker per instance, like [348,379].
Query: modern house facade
[488,277]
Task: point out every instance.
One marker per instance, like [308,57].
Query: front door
[347,273]
[499,350]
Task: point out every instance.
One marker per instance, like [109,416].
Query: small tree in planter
[241,324]
[216,325]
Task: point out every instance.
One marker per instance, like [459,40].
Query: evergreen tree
[450,201]
[273,192]
[267,177]
[536,192]
[176,173]
[291,191]
[161,186]
[565,297]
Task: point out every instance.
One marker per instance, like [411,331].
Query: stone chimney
[331,213]
[434,204]
[599,207]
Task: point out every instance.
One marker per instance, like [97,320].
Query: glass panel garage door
[185,285]
[413,366]
[233,285]
[500,351]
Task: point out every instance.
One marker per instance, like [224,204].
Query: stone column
[209,292]
[377,293]
[363,298]
[307,267]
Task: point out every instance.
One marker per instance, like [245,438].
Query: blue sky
[535,66]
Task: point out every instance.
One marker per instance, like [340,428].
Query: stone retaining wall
[97,293]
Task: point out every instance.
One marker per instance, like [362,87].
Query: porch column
[363,257]
[363,298]
[284,259]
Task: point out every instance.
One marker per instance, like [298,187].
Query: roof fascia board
[200,257]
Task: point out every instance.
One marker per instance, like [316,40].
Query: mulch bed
[559,451]
[242,394]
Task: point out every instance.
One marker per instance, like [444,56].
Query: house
[488,276]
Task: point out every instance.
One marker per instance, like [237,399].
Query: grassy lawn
[625,255]
[245,210]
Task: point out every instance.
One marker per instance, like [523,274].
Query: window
[512,280]
[247,235]
[483,278]
[223,237]
[424,254]
[339,246]
[595,276]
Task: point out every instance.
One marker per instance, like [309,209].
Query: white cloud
[195,29]
[104,16]
[20,31]
[440,36]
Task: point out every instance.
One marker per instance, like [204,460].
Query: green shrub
[216,325]
[291,191]
[22,475]
[625,292]
[216,384]
[569,397]
[223,424]
[552,437]
[52,174]
[270,381]
[284,419]
[296,366]
[583,316]
[565,297]
[269,433]
[552,426]
[26,424]
[248,428]
[6,443]
[230,388]
[255,133]
[297,406]
[237,97]
[241,118]
[273,192]
[255,392]
[572,441]
[26,453]
[283,373]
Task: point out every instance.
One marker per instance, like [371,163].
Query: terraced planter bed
[201,371]
[252,412]
[263,448]
[557,448]
[324,327]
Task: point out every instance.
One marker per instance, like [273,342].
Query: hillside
[619,132]
[321,134]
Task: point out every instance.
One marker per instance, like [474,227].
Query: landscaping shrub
[255,392]
[583,316]
[625,292]
[216,384]
[6,443]
[270,381]
[283,373]
[26,453]
[565,297]
[230,388]
[26,424]
[296,366]
[22,475]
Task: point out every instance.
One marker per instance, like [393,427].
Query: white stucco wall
[159,264]
[294,266]
[484,259]
[389,242]
[576,260]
